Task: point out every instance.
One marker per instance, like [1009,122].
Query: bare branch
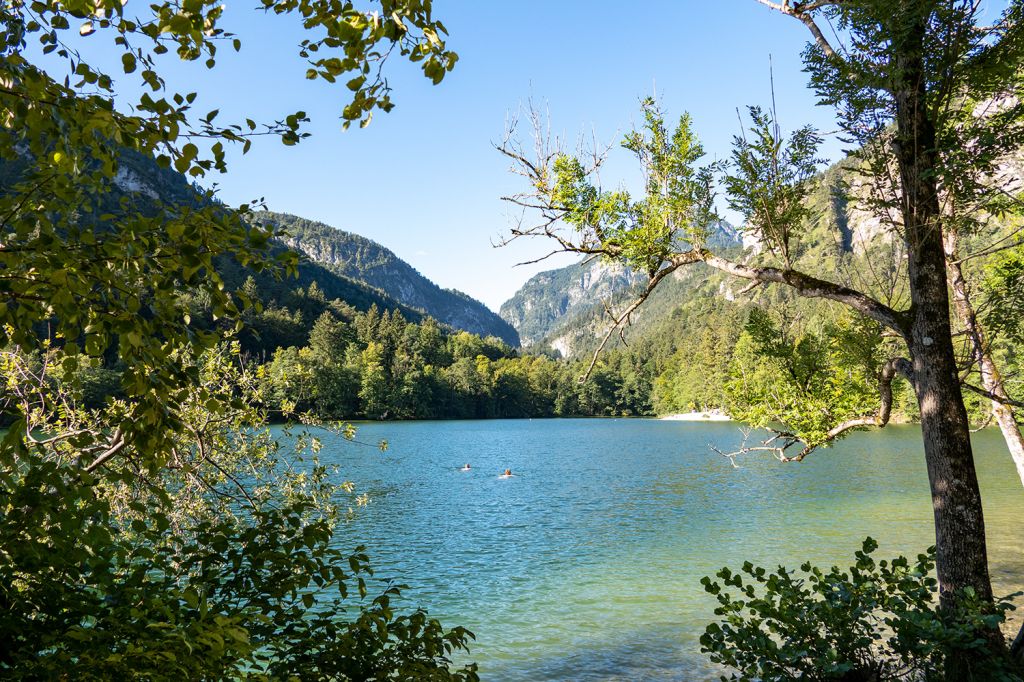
[624,317]
[536,165]
[117,443]
[541,258]
[769,444]
[57,438]
[992,396]
[802,12]
[990,251]
[985,424]
[781,441]
[227,474]
[749,288]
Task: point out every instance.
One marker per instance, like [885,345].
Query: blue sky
[425,180]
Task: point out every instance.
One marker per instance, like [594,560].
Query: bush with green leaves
[810,383]
[151,526]
[260,596]
[219,563]
[877,620]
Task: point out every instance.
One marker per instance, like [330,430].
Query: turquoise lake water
[586,565]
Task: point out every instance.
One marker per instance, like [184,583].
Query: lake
[586,565]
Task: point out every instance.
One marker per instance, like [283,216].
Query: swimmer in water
[466,468]
[507,474]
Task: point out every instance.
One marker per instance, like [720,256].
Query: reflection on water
[586,564]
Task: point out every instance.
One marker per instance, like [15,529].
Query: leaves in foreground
[877,620]
[220,564]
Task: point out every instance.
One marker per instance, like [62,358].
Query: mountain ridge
[356,257]
[343,264]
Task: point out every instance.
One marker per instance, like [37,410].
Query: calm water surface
[586,565]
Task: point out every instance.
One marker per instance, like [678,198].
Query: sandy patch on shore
[709,416]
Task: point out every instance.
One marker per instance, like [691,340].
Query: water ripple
[585,565]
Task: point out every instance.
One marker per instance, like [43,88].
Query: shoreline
[705,416]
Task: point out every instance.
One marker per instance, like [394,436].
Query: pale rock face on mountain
[563,346]
[560,310]
[128,180]
[859,223]
[726,292]
[556,295]
[862,223]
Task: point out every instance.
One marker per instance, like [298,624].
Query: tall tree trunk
[961,555]
[991,378]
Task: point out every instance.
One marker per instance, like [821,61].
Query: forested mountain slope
[345,266]
[358,258]
[276,290]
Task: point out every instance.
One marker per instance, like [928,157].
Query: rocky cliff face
[550,299]
[561,310]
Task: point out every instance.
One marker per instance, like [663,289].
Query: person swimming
[466,468]
[507,474]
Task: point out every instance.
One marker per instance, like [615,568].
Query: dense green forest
[327,358]
[692,349]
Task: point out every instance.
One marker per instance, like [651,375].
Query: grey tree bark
[961,551]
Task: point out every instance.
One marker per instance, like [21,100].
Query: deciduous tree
[905,82]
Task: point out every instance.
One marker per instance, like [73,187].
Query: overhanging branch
[781,441]
[805,285]
[992,396]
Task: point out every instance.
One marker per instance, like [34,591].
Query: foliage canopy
[163,532]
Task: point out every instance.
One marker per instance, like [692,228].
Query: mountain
[359,295]
[563,310]
[344,265]
[142,179]
[551,300]
[357,258]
